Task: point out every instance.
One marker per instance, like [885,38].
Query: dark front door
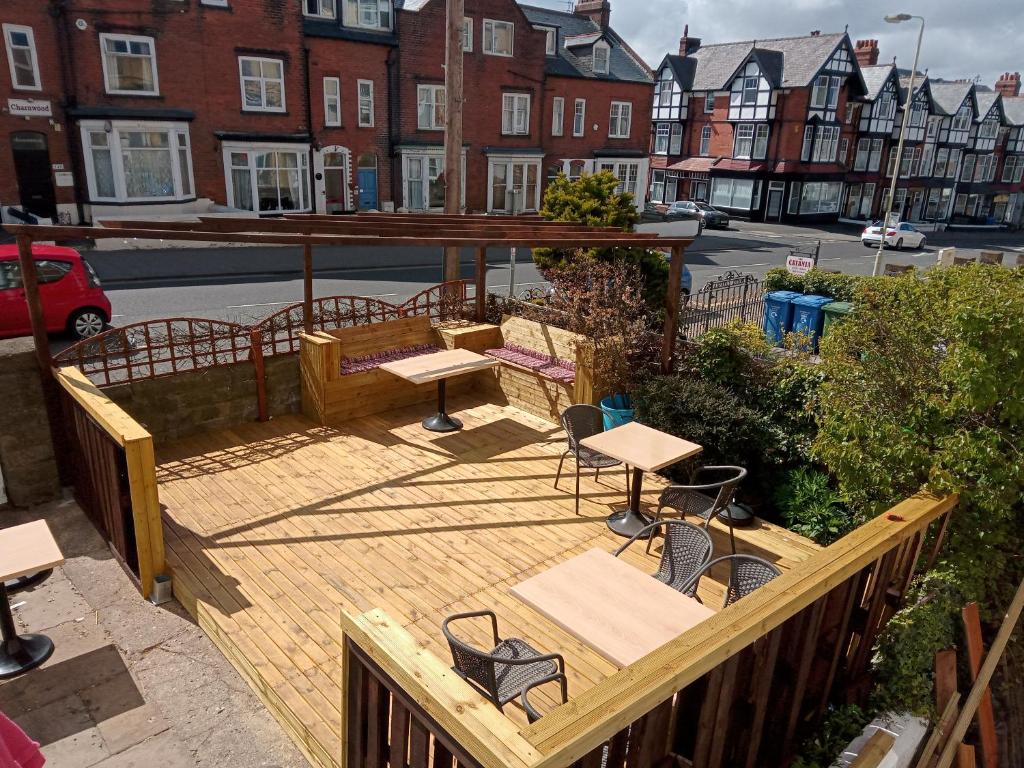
[33,172]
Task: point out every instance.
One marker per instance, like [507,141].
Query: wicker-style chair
[580,422]
[502,673]
[532,715]
[746,573]
[704,500]
[686,552]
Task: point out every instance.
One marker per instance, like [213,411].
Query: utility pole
[453,126]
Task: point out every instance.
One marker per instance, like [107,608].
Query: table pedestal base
[628,523]
[441,421]
[21,653]
[24,582]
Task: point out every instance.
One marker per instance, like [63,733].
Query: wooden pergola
[379,230]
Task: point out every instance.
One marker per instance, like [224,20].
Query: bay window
[129,65]
[744,143]
[967,172]
[137,161]
[627,173]
[513,184]
[820,144]
[1013,169]
[820,197]
[676,143]
[657,190]
[267,178]
[860,159]
[825,91]
[735,193]
[761,141]
[515,114]
[661,136]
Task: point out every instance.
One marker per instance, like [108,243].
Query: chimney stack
[866,52]
[1009,84]
[815,33]
[688,44]
[597,11]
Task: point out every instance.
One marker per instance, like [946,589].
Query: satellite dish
[81,24]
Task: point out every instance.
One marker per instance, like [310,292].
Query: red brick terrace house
[171,107]
[759,128]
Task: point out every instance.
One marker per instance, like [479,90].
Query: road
[243,284]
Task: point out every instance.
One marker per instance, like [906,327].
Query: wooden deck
[274,528]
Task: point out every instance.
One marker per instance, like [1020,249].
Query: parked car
[712,217]
[903,235]
[680,210]
[72,298]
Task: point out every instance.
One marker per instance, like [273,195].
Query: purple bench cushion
[351,365]
[546,365]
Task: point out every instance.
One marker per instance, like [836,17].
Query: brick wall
[173,407]
[599,95]
[26,450]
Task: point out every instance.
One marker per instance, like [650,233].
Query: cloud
[961,39]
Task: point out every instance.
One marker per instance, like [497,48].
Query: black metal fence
[726,299]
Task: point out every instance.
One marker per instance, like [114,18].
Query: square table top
[641,446]
[616,609]
[438,365]
[26,549]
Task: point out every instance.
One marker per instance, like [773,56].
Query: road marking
[266,304]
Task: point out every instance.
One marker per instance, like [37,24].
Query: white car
[901,236]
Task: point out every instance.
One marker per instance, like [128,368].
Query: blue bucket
[617,410]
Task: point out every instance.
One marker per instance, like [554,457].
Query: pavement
[130,685]
[244,284]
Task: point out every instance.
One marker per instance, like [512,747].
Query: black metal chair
[502,673]
[704,500]
[687,550]
[746,574]
[532,715]
[580,422]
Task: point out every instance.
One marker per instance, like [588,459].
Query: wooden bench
[340,377]
[543,370]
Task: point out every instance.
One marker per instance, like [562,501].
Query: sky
[961,38]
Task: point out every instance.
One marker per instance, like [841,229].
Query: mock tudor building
[807,128]
[759,128]
[172,107]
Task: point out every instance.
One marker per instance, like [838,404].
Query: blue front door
[367,188]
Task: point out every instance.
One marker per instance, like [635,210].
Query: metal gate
[726,299]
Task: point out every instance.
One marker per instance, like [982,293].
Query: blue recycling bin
[809,317]
[778,314]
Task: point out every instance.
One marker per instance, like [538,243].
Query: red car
[72,298]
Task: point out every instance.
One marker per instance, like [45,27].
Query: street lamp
[897,18]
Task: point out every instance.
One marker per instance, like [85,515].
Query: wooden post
[986,718]
[453,126]
[984,677]
[307,288]
[675,281]
[256,355]
[481,284]
[30,284]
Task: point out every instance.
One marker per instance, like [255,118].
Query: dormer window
[989,128]
[917,113]
[601,53]
[550,40]
[962,120]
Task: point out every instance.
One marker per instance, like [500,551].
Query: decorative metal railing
[726,299]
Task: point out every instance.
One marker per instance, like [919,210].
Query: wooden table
[645,450]
[616,609]
[24,549]
[439,366]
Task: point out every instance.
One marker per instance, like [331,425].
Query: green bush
[592,200]
[924,387]
[781,279]
[708,414]
[835,285]
[840,726]
[811,507]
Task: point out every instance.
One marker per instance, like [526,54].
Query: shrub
[812,507]
[705,413]
[592,200]
[781,279]
[925,387]
[840,726]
